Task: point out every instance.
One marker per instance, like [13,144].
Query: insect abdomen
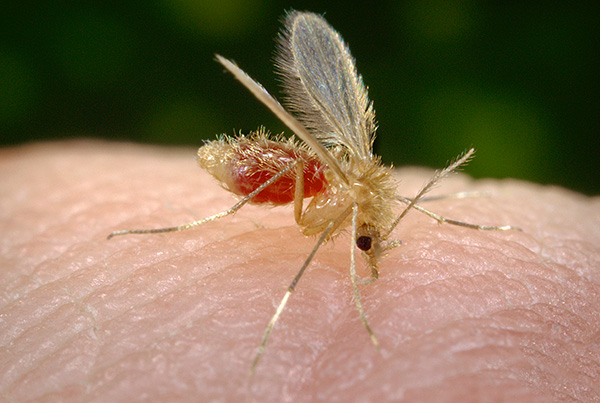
[243,164]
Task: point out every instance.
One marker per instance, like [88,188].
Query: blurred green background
[517,80]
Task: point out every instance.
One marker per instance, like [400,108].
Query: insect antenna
[437,177]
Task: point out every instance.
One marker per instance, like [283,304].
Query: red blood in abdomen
[254,164]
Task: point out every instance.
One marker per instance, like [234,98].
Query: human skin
[461,314]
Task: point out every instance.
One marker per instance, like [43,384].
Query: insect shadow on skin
[333,165]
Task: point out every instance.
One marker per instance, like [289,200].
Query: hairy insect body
[241,164]
[334,164]
[371,186]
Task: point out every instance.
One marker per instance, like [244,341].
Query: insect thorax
[372,187]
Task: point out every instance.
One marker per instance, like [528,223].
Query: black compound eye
[364,243]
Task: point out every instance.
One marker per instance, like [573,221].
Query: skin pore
[460,314]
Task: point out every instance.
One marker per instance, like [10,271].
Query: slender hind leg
[331,227]
[222,214]
[288,293]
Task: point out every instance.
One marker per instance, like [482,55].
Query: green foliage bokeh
[516,80]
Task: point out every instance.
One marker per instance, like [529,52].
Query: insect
[333,165]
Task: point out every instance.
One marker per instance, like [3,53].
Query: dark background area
[516,80]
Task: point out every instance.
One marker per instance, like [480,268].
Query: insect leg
[331,227]
[289,292]
[442,219]
[459,195]
[354,277]
[214,217]
[299,191]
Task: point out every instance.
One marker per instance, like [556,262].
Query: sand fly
[332,165]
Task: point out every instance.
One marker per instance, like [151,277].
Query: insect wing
[322,84]
[263,96]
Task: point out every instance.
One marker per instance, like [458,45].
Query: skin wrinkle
[160,316]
